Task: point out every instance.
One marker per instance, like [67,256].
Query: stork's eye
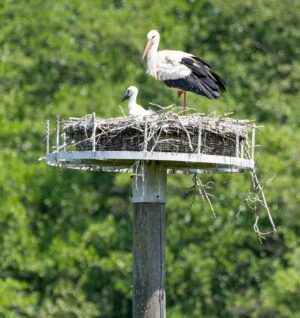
[153,37]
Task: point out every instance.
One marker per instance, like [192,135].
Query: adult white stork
[182,70]
[134,108]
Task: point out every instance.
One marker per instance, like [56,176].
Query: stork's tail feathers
[207,82]
[220,82]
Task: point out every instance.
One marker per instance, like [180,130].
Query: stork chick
[134,108]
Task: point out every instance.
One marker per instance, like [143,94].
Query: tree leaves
[66,235]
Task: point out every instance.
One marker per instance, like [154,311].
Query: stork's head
[153,38]
[153,35]
[130,91]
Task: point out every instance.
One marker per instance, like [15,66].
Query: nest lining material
[161,133]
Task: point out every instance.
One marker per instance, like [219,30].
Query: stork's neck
[152,60]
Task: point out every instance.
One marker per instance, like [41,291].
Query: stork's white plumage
[134,108]
[181,70]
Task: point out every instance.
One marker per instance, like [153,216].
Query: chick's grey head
[130,91]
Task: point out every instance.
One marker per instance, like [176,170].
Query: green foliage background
[65,236]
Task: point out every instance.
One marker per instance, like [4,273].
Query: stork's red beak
[147,48]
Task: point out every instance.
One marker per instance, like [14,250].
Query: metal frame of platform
[123,161]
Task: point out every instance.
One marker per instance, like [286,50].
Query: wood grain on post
[149,198]
[149,260]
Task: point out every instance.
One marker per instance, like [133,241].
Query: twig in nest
[187,133]
[257,198]
[203,192]
[122,111]
[228,113]
[262,200]
[161,107]
[261,235]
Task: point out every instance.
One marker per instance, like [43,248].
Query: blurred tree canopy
[65,243]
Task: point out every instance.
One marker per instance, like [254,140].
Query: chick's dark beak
[126,96]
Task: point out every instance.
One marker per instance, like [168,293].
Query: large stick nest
[167,132]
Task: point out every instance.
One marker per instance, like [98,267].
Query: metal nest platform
[181,144]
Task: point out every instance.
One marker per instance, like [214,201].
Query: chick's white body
[134,108]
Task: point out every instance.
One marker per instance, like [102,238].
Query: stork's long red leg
[184,101]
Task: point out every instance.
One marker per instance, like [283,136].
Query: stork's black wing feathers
[201,81]
[201,61]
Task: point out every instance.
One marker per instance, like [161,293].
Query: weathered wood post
[149,199]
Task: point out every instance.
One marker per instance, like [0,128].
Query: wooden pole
[149,198]
[253,142]
[47,137]
[57,133]
[237,145]
[64,138]
[199,139]
[94,132]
